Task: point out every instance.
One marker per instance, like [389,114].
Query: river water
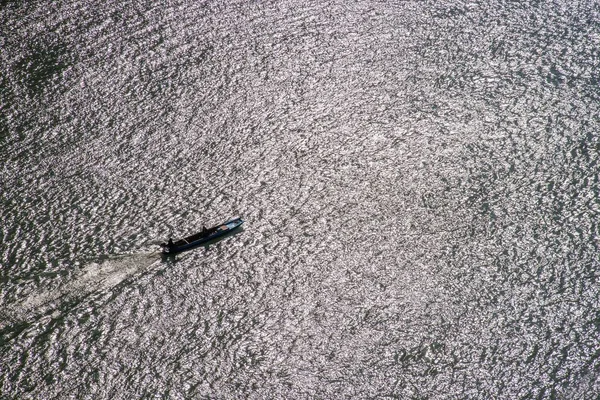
[419,181]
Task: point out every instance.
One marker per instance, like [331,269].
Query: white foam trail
[92,278]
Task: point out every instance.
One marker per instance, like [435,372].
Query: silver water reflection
[418,179]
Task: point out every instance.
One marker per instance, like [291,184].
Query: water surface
[419,181]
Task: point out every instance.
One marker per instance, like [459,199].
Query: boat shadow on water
[205,245]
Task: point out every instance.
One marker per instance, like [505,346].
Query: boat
[201,238]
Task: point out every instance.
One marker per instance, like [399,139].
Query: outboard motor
[167,247]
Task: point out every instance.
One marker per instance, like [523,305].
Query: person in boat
[204,230]
[170,243]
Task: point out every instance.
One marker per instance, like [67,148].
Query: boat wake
[93,278]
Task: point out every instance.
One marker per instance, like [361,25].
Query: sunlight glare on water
[419,181]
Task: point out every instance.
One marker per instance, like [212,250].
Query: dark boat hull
[202,237]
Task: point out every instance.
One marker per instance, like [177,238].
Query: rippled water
[419,181]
